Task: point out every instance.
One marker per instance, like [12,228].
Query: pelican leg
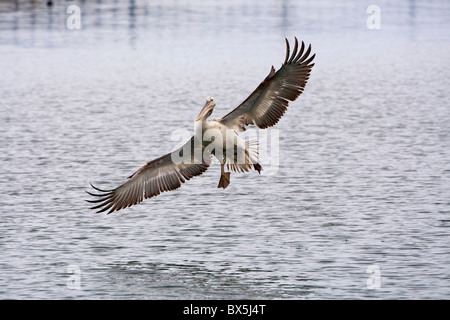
[224,177]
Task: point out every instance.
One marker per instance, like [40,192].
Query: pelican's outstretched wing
[159,175]
[265,106]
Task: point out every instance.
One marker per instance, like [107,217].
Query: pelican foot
[224,180]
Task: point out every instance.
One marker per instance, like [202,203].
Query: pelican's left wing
[159,175]
[265,106]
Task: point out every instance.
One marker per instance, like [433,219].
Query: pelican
[219,137]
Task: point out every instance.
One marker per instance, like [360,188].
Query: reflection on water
[128,18]
[118,20]
[364,173]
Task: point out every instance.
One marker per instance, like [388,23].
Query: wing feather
[155,177]
[267,104]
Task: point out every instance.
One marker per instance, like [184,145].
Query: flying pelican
[263,108]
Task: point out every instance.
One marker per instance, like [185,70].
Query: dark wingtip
[98,189]
[300,52]
[93,194]
[307,62]
[306,53]
[288,50]
[103,200]
[294,51]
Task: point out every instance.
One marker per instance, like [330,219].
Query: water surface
[364,154]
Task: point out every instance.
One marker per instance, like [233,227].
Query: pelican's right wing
[163,174]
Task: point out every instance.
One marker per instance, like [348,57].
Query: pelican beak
[208,107]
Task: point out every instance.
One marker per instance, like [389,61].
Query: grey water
[357,206]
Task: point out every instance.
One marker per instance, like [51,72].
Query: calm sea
[357,206]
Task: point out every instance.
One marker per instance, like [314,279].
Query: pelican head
[207,109]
